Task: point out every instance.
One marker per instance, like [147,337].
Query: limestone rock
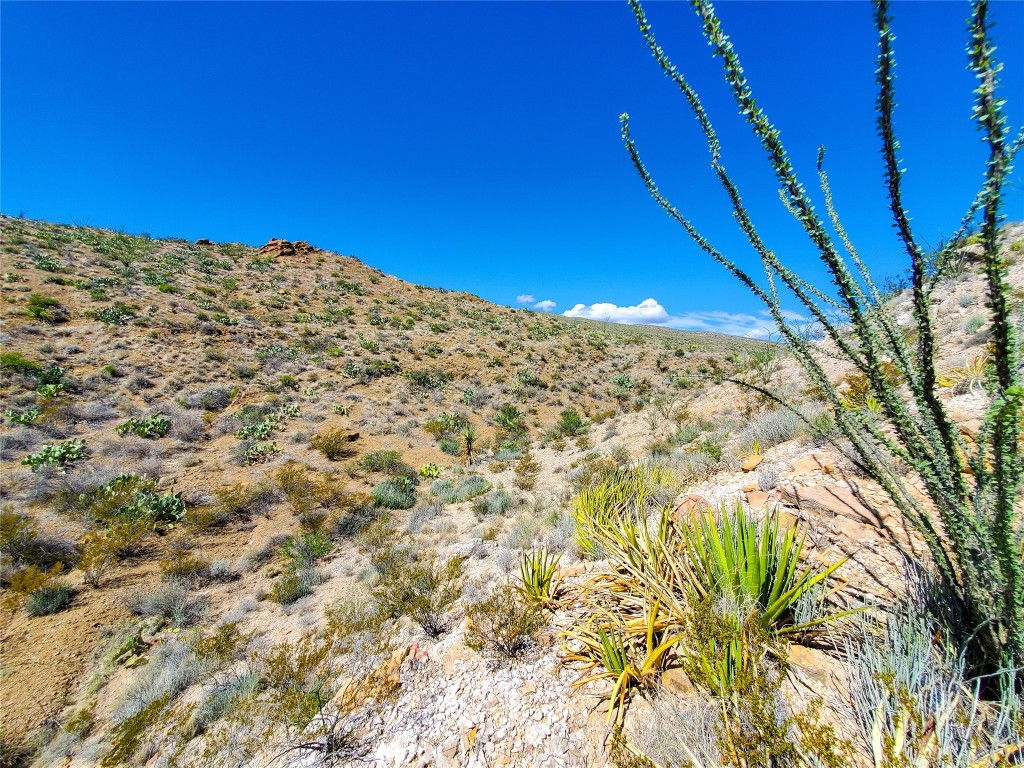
[815,462]
[753,462]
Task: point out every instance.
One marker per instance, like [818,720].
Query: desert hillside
[272,506]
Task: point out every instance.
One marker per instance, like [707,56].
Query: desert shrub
[181,564]
[511,429]
[131,500]
[503,622]
[24,581]
[153,426]
[421,514]
[496,502]
[18,535]
[234,503]
[972,491]
[314,498]
[295,585]
[226,695]
[213,399]
[416,585]
[570,423]
[374,369]
[772,428]
[386,462]
[101,549]
[913,702]
[49,599]
[46,309]
[305,550]
[334,443]
[57,454]
[16,362]
[430,378]
[450,446]
[395,492]
[446,425]
[468,488]
[171,601]
[116,314]
[527,470]
[974,324]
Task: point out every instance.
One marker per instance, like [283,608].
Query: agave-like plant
[537,573]
[631,653]
[730,554]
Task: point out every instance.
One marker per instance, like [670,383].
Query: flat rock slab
[832,499]
[816,462]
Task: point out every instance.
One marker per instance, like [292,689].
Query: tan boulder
[686,505]
[756,499]
[675,680]
[753,462]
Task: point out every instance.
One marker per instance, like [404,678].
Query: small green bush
[974,324]
[430,379]
[395,493]
[295,585]
[16,362]
[416,586]
[450,446]
[306,549]
[52,598]
[494,503]
[570,423]
[334,443]
[468,488]
[116,314]
[47,309]
[511,426]
[386,462]
[171,601]
[503,622]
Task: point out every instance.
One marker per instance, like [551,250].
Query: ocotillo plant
[970,520]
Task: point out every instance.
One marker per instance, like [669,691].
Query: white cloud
[525,298]
[647,312]
[759,326]
[651,312]
[545,306]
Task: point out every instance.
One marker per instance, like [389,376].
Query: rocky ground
[447,705]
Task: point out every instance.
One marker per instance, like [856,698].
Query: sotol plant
[971,519]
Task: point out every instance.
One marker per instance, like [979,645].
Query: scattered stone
[753,462]
[757,499]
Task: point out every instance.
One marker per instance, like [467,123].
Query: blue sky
[475,145]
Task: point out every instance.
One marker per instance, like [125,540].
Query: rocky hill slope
[273,506]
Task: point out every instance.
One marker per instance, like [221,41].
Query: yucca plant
[537,573]
[970,519]
[630,653]
[732,555]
